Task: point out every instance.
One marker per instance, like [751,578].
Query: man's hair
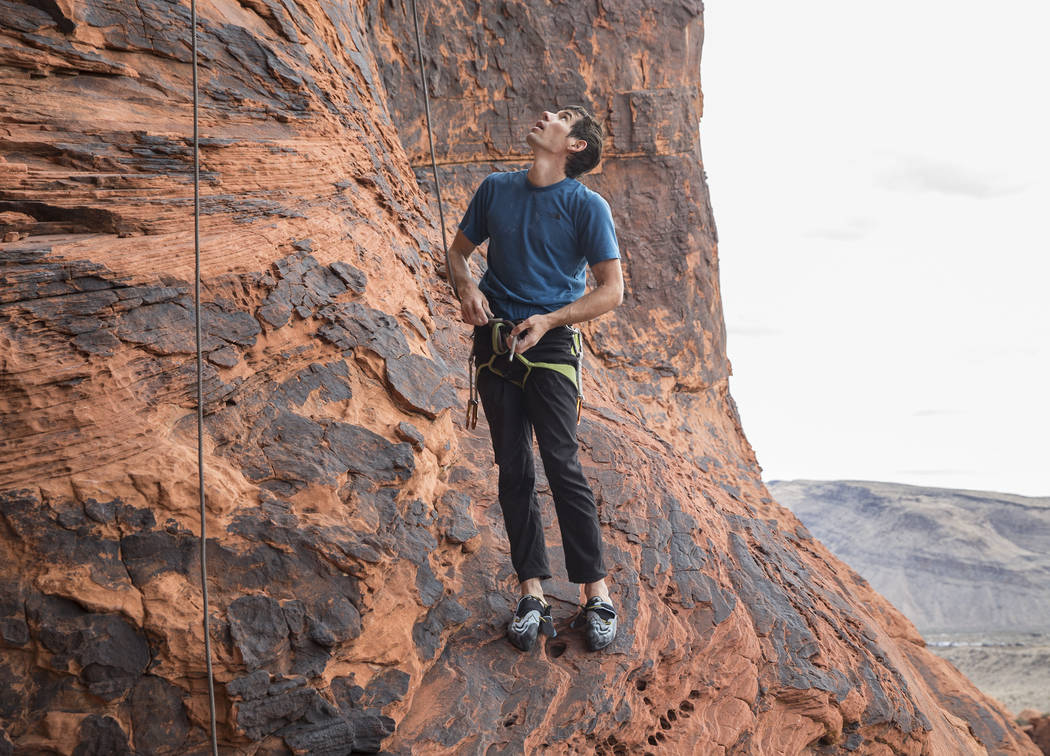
[590,130]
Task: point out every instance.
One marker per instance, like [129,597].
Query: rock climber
[544,228]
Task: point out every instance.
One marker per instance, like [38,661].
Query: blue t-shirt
[540,241]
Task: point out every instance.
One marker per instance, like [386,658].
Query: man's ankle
[532,587]
[597,588]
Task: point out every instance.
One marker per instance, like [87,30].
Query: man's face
[551,133]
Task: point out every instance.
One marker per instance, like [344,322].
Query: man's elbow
[609,280]
[612,296]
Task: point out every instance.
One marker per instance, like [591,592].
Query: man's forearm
[607,294]
[472,303]
[598,301]
[459,270]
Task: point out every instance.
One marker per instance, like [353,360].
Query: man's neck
[546,170]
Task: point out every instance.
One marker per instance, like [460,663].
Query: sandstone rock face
[359,573]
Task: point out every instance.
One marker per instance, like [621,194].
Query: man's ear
[577,145]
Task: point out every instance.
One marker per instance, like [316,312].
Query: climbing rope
[200,378]
[430,137]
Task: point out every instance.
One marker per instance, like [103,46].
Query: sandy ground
[1011,667]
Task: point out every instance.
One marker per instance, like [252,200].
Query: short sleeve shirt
[541,240]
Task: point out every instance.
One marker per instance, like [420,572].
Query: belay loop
[517,368]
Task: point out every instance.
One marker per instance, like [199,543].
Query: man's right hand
[472,303]
[475,307]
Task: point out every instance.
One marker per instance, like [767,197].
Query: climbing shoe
[531,617]
[599,618]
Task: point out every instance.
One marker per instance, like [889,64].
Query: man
[544,227]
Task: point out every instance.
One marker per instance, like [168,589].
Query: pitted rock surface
[359,573]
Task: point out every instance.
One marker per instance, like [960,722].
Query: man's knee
[519,475]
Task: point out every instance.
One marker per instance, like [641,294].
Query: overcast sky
[880,177]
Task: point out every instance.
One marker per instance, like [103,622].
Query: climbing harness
[200,377]
[516,368]
[433,160]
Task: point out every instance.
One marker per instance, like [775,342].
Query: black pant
[546,404]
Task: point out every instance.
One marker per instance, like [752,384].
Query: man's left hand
[529,332]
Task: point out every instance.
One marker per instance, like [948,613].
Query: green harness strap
[474,368]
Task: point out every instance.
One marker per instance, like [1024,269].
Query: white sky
[880,177]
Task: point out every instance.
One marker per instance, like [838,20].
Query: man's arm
[605,296]
[473,306]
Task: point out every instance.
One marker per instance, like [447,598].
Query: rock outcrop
[1038,728]
[359,574]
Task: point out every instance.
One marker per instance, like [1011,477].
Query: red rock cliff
[360,579]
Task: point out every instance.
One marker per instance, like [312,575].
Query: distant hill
[951,560]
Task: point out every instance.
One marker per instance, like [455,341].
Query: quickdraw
[472,402]
[572,371]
